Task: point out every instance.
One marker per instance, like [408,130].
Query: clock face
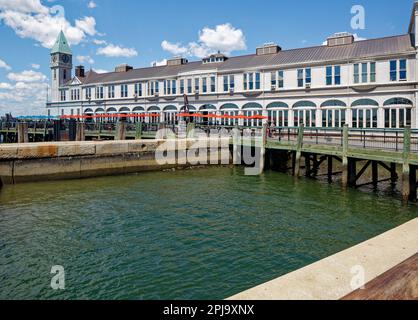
[65,58]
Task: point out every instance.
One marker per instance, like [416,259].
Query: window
[99,92]
[189,86]
[252,81]
[329,76]
[333,75]
[304,77]
[281,79]
[213,84]
[63,95]
[65,75]
[153,88]
[124,91]
[356,73]
[111,92]
[364,117]
[398,70]
[300,78]
[226,83]
[402,70]
[182,86]
[204,85]
[88,93]
[273,79]
[138,89]
[196,85]
[368,72]
[174,86]
[55,74]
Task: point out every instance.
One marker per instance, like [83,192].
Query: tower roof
[61,45]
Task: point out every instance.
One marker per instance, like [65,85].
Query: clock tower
[61,65]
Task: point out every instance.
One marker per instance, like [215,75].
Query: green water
[199,234]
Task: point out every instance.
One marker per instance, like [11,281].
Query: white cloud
[35,66]
[85,59]
[99,42]
[33,20]
[116,51]
[26,95]
[92,5]
[4,65]
[224,38]
[100,71]
[174,48]
[159,63]
[5,86]
[88,25]
[27,76]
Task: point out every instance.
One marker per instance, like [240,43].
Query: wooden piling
[330,171]
[344,180]
[413,183]
[138,130]
[22,132]
[299,151]
[80,133]
[375,174]
[121,130]
[406,188]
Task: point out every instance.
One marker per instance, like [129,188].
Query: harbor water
[191,234]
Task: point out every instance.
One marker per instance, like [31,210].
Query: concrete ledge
[333,278]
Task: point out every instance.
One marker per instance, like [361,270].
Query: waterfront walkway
[340,276]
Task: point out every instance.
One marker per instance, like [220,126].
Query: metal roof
[61,45]
[358,50]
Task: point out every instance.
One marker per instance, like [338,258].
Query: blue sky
[105,33]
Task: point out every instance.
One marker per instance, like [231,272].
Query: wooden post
[263,148]
[405,167]
[352,173]
[330,169]
[344,181]
[375,174]
[307,165]
[299,151]
[393,174]
[121,130]
[22,132]
[413,183]
[80,132]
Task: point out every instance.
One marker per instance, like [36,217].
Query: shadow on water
[198,234]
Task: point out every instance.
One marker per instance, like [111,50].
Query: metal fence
[323,136]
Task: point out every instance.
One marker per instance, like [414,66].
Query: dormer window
[215,58]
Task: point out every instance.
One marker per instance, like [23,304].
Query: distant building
[365,84]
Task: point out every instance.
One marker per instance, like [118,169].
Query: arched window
[252,109]
[364,113]
[333,114]
[278,114]
[305,113]
[398,113]
[124,110]
[152,111]
[170,113]
[229,110]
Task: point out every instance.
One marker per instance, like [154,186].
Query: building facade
[365,84]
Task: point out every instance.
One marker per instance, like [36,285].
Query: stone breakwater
[34,162]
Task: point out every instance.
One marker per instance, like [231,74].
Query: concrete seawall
[71,160]
[337,276]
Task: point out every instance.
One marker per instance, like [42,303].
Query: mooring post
[413,183]
[121,130]
[375,174]
[80,132]
[299,150]
[393,174]
[22,132]
[330,167]
[344,180]
[405,167]
[263,147]
[138,130]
